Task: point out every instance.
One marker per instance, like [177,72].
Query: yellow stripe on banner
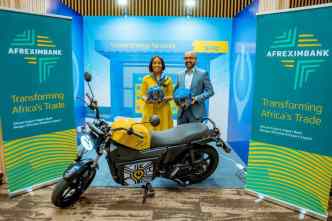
[44,41]
[43,37]
[38,145]
[288,61]
[307,165]
[281,189]
[313,158]
[280,166]
[59,140]
[288,65]
[278,179]
[302,162]
[293,175]
[255,145]
[34,148]
[286,179]
[39,158]
[309,45]
[32,62]
[210,46]
[31,176]
[300,158]
[308,40]
[15,146]
[35,153]
[306,35]
[30,58]
[307,161]
[67,134]
[43,162]
[44,45]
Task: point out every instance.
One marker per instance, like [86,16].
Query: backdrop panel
[242,80]
[290,152]
[36,98]
[59,8]
[118,50]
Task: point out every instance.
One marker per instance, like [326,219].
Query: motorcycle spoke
[69,191]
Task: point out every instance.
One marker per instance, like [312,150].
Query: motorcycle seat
[182,134]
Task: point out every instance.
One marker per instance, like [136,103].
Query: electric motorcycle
[183,154]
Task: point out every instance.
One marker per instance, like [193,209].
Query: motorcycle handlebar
[93,105]
[137,135]
[209,120]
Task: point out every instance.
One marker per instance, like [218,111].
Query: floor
[124,204]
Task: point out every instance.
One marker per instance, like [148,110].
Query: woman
[157,80]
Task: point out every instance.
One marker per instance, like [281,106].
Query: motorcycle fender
[76,169]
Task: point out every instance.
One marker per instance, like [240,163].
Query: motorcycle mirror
[154,120]
[87,77]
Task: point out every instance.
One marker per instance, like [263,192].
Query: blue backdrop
[118,50]
[56,7]
[242,78]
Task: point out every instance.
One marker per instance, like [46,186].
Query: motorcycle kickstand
[148,191]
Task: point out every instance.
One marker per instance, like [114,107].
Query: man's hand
[94,104]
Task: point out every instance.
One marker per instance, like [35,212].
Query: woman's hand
[168,98]
[146,100]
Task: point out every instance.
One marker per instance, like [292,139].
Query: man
[198,82]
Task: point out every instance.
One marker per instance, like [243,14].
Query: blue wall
[117,49]
[243,53]
[56,7]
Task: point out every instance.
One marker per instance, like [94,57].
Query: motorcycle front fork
[95,162]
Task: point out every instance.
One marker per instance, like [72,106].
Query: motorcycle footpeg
[174,172]
[226,148]
[181,183]
[223,145]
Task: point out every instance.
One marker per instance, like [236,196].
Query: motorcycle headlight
[86,142]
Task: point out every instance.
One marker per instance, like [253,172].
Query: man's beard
[190,65]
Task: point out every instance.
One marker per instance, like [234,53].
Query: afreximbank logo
[36,49]
[303,53]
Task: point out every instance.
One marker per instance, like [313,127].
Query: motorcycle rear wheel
[205,163]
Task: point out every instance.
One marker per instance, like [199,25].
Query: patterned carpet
[124,204]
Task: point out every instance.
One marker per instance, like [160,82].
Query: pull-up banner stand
[39,138]
[290,152]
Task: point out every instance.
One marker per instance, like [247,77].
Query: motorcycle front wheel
[68,192]
[205,162]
